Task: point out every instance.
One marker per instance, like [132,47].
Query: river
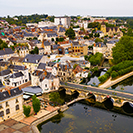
[94,78]
[83,118]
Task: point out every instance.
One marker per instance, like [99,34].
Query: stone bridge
[114,98]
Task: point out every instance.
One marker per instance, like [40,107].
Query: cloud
[69,7]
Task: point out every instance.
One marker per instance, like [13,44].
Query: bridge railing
[86,89]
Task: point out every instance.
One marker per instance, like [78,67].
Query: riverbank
[110,82]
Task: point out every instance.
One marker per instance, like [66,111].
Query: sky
[67,7]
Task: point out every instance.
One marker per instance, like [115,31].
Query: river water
[94,78]
[83,118]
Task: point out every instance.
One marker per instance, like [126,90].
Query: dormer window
[36,61]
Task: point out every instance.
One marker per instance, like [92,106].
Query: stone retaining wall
[42,119]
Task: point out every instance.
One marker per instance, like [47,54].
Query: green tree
[61,39]
[75,65]
[52,39]
[91,35]
[98,40]
[35,51]
[26,110]
[55,98]
[130,32]
[123,50]
[86,37]
[70,33]
[35,104]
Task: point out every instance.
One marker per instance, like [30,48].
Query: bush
[103,78]
[27,110]
[114,74]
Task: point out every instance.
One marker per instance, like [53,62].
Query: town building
[110,31]
[6,53]
[31,61]
[65,21]
[11,104]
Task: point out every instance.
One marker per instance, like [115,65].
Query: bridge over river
[118,98]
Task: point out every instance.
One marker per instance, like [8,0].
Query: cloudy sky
[67,7]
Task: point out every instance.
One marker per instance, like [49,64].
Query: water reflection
[84,118]
[94,78]
[125,85]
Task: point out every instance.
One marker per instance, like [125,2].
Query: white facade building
[65,21]
[11,104]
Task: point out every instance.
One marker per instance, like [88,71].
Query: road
[99,90]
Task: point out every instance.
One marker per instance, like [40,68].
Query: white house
[49,83]
[17,78]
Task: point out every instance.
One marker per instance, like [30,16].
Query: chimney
[94,45]
[4,49]
[9,92]
[65,67]
[37,73]
[19,88]
[100,45]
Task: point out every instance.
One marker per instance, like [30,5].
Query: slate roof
[51,64]
[32,89]
[16,67]
[62,66]
[16,59]
[16,75]
[46,43]
[13,92]
[21,48]
[98,44]
[2,63]
[51,34]
[6,51]
[37,73]
[108,28]
[32,58]
[41,66]
[5,72]
[62,29]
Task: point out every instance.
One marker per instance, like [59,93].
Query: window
[7,111]
[1,113]
[16,100]
[45,85]
[1,106]
[64,74]
[7,104]
[17,107]
[26,80]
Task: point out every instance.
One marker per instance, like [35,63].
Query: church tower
[103,28]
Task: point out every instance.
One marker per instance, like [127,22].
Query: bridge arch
[91,97]
[108,102]
[127,107]
[61,88]
[75,94]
